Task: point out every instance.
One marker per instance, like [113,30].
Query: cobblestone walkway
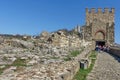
[106,68]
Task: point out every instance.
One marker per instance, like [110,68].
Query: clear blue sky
[35,16]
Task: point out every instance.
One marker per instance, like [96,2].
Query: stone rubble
[43,56]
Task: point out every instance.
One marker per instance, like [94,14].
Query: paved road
[106,68]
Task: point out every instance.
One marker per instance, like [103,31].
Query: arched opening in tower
[100,35]
[100,39]
[100,43]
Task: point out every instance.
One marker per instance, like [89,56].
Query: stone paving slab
[106,68]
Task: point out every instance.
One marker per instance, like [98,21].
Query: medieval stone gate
[99,25]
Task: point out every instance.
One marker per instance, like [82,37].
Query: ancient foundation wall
[74,65]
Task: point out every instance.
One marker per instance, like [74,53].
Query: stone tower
[99,25]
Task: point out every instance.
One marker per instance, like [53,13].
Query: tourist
[96,48]
[107,48]
[104,48]
[99,48]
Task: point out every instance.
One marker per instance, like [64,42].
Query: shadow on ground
[111,54]
[115,57]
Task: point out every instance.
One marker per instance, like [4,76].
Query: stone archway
[100,35]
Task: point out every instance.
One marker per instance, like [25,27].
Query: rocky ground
[106,67]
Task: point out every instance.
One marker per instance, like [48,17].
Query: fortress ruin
[99,26]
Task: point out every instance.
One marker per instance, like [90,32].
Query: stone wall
[106,16]
[115,51]
[61,40]
[75,65]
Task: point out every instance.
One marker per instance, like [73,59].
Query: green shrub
[19,62]
[68,58]
[74,53]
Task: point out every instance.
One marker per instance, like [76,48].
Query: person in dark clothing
[96,48]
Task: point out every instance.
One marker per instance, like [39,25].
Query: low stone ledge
[74,68]
[115,51]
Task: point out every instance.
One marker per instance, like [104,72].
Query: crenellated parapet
[105,15]
[100,10]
